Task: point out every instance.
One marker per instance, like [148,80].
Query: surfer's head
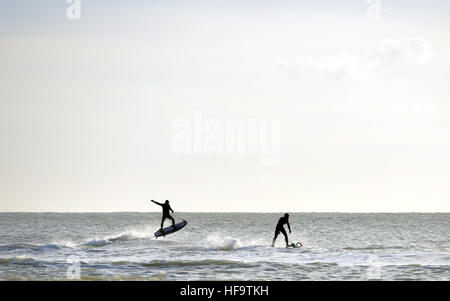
[286,215]
[166,202]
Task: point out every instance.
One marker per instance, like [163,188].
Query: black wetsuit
[166,213]
[280,228]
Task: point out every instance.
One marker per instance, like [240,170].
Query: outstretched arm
[157,203]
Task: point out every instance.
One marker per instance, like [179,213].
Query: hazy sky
[360,99]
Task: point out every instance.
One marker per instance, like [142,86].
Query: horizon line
[257,212]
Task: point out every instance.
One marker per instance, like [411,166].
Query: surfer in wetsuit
[166,214]
[280,228]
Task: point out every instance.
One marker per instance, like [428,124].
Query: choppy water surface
[225,246]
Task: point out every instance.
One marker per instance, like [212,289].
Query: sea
[224,246]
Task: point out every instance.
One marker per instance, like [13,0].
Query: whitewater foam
[128,235]
[217,242]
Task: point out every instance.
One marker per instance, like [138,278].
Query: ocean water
[224,246]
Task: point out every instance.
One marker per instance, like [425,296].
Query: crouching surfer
[280,228]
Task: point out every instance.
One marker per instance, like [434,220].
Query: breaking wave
[227,243]
[121,237]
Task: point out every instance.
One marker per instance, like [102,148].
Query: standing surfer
[166,214]
[280,228]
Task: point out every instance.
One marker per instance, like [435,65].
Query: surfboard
[170,229]
[295,245]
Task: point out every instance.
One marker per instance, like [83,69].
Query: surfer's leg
[285,236]
[275,237]
[173,220]
[162,222]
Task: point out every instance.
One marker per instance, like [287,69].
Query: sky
[345,106]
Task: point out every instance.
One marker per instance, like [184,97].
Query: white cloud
[391,53]
[386,57]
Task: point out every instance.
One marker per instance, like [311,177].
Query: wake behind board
[170,229]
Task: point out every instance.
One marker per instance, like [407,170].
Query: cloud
[387,56]
[391,53]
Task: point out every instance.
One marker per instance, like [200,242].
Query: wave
[375,247]
[187,263]
[160,276]
[33,247]
[223,244]
[228,243]
[16,246]
[93,242]
[121,237]
[22,259]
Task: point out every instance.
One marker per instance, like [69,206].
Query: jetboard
[295,245]
[170,229]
